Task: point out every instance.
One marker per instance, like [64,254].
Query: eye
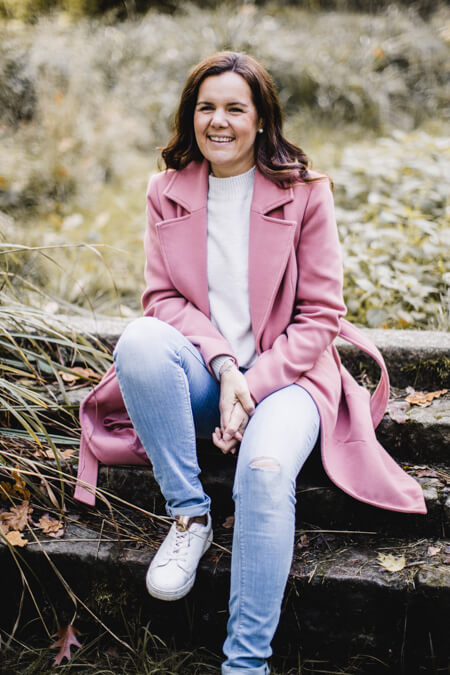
[205,107]
[236,109]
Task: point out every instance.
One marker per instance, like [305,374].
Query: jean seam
[241,562]
[188,406]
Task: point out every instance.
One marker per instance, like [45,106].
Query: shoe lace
[180,545]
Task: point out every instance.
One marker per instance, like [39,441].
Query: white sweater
[229,201]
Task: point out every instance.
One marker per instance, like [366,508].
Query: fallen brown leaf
[51,526]
[390,562]
[78,373]
[229,522]
[16,539]
[304,541]
[17,516]
[67,639]
[423,398]
[427,473]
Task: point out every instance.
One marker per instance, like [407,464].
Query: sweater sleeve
[161,300]
[319,303]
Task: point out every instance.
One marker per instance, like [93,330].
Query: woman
[243,302]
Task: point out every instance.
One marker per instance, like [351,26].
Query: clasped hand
[236,407]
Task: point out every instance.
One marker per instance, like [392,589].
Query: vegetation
[86,104]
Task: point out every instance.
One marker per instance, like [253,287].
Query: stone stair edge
[356,563]
[399,339]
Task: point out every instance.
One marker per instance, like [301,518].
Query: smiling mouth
[221,139]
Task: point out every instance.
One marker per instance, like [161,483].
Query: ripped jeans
[172,399]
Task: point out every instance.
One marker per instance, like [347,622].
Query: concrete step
[414,358]
[319,502]
[339,599]
[423,438]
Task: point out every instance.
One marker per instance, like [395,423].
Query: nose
[219,118]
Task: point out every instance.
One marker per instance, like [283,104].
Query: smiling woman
[225,124]
[242,305]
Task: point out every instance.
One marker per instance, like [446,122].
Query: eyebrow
[244,105]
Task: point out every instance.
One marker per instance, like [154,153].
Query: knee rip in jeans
[265,464]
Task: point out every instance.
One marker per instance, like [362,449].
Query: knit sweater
[229,201]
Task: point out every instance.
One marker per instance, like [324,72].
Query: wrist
[227,366]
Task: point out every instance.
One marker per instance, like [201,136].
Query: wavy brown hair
[279,160]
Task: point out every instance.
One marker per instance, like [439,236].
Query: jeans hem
[260,670]
[191,511]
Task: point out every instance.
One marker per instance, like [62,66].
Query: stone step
[339,599]
[319,502]
[423,438]
[414,358]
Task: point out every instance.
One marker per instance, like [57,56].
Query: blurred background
[88,89]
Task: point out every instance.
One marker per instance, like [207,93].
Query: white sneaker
[172,571]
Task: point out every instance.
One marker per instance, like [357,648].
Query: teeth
[221,139]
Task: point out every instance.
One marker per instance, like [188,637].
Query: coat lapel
[183,241]
[270,244]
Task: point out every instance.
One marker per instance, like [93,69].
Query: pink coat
[296,306]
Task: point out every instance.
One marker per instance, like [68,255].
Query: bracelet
[229,367]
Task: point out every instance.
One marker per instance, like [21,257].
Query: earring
[260,131]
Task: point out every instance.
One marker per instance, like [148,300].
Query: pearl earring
[260,131]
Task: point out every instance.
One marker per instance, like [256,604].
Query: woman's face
[226,123]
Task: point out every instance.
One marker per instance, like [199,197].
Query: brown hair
[279,160]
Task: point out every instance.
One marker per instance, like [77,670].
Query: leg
[170,397]
[276,443]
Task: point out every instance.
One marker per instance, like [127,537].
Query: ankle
[184,522]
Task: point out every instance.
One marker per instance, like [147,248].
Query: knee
[263,483]
[141,339]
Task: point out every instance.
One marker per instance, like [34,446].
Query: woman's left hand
[236,407]
[229,438]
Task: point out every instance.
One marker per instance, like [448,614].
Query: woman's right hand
[236,407]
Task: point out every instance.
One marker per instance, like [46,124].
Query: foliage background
[85,101]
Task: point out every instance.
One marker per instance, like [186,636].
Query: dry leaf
[17,516]
[78,373]
[16,539]
[427,473]
[397,410]
[433,550]
[66,640]
[88,373]
[304,541]
[69,378]
[423,398]
[20,486]
[390,562]
[66,454]
[51,526]
[229,522]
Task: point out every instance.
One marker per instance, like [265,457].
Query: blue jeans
[172,399]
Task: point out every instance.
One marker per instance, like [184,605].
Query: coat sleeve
[319,303]
[162,300]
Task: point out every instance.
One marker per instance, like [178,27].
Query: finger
[246,401]
[238,421]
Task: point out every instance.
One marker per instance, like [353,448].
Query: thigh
[153,355]
[284,428]
[204,391]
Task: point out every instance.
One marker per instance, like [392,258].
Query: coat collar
[189,188]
